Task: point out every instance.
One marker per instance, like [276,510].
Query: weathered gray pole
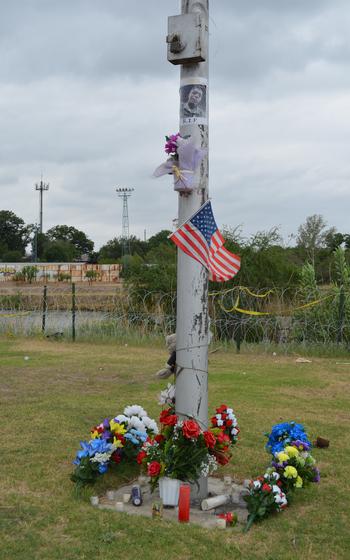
[192,277]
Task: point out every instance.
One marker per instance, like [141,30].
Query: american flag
[200,238]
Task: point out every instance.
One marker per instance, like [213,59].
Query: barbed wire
[239,314]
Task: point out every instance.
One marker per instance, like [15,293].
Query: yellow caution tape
[15,314]
[250,312]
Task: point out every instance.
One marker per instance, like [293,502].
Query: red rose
[221,409]
[210,439]
[266,488]
[159,438]
[222,458]
[223,438]
[140,457]
[154,468]
[190,429]
[214,421]
[170,420]
[228,423]
[163,415]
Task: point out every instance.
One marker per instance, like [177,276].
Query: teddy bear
[170,366]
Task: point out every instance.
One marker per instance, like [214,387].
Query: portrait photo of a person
[193,104]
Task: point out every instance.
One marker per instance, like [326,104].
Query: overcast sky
[87,96]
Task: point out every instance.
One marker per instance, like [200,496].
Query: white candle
[119,506]
[216,501]
[94,500]
[126,498]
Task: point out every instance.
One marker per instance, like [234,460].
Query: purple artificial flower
[298,443]
[317,476]
[171,145]
[105,423]
[106,435]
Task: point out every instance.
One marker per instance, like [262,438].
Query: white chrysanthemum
[136,423]
[150,424]
[168,395]
[121,418]
[135,410]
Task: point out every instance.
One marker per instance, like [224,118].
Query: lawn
[50,401]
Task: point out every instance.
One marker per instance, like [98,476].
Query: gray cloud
[86,97]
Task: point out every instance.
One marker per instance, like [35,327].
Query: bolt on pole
[188,46]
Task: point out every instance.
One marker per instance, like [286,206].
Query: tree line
[151,264]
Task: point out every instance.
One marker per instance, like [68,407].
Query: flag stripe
[201,239]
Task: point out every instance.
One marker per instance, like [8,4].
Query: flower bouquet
[265,496]
[295,465]
[225,429]
[181,450]
[283,434]
[292,467]
[184,159]
[113,440]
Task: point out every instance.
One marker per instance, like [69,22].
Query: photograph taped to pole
[193,102]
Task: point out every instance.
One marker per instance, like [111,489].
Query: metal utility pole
[125,193]
[188,45]
[41,187]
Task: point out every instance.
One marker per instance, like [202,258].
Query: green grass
[49,403]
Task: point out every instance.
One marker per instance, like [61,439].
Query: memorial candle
[184,503]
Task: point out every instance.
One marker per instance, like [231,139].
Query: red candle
[184,503]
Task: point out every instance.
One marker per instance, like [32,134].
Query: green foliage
[59,251]
[92,275]
[12,256]
[79,241]
[64,277]
[14,234]
[29,273]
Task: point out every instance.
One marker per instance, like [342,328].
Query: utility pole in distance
[41,187]
[188,46]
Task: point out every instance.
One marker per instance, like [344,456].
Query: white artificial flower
[168,395]
[150,424]
[229,410]
[276,489]
[234,431]
[256,484]
[122,419]
[136,423]
[103,457]
[220,422]
[218,416]
[275,475]
[135,410]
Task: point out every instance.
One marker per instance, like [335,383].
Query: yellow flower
[290,472]
[94,434]
[117,442]
[282,457]
[116,427]
[299,482]
[291,451]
